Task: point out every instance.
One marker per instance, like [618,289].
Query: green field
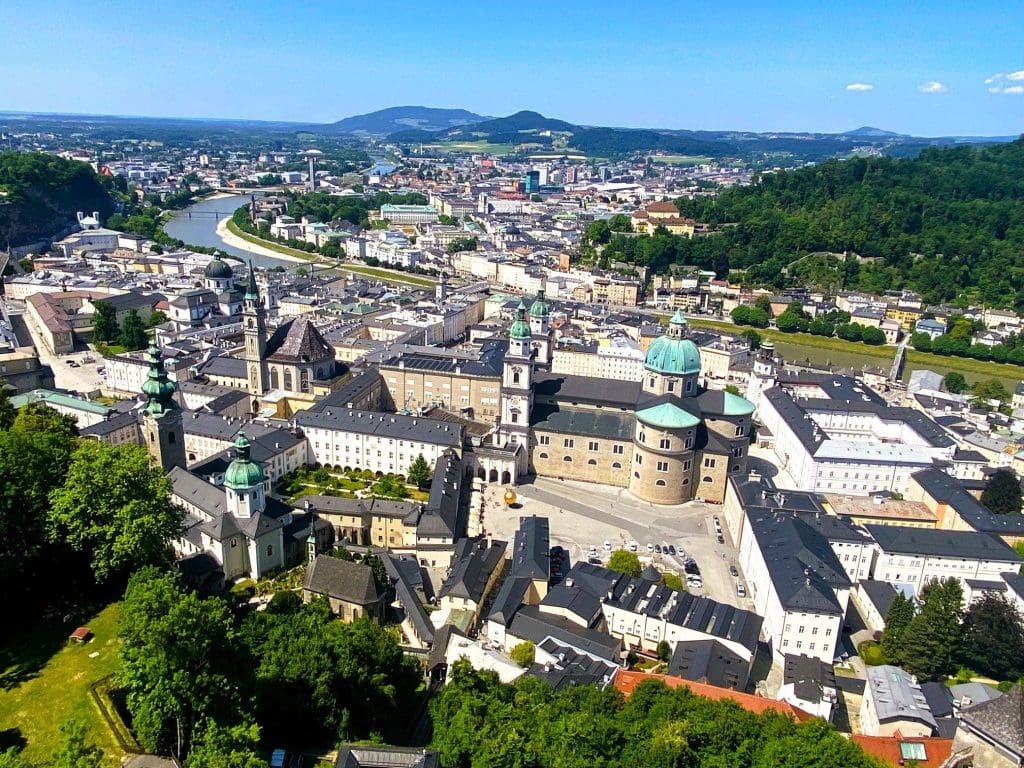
[681,159]
[799,347]
[46,682]
[389,275]
[482,147]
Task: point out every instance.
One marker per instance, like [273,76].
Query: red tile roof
[887,748]
[626,682]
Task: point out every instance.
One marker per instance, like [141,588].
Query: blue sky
[921,66]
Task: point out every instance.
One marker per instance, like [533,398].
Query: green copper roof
[218,268]
[678,318]
[667,416]
[674,356]
[158,389]
[243,473]
[737,406]
[520,328]
[539,308]
[251,290]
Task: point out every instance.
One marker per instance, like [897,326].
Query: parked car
[73,364]
[733,572]
[720,538]
[607,546]
[671,549]
[657,549]
[633,546]
[741,590]
[594,560]
[691,568]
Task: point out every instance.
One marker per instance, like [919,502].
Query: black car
[691,567]
[657,548]
[733,572]
[721,539]
[594,561]
[671,549]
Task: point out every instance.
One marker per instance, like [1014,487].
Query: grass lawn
[389,275]
[277,247]
[871,653]
[483,147]
[38,705]
[681,159]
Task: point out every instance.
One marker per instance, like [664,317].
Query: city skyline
[745,67]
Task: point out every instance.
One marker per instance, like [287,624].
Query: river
[201,228]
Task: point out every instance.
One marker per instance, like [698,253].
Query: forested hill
[40,195]
[940,223]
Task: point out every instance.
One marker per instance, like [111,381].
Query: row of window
[592,445]
[590,462]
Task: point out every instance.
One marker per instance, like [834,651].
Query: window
[543,455]
[636,475]
[592,446]
[665,443]
[616,465]
[689,385]
[686,481]
[567,459]
[544,440]
[515,376]
[686,465]
[568,442]
[638,459]
[643,436]
[689,442]
[671,385]
[617,450]
[660,483]
[709,463]
[785,643]
[663,466]
[270,550]
[814,630]
[801,630]
[799,643]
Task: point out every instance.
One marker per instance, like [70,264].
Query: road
[584,515]
[83,379]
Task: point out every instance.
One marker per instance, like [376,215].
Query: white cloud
[859,87]
[998,82]
[932,86]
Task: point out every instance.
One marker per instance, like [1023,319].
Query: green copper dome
[673,356]
[539,308]
[520,328]
[243,473]
[667,416]
[158,389]
[218,269]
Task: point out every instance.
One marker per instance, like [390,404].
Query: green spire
[252,292]
[159,390]
[540,306]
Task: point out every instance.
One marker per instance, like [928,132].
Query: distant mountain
[520,121]
[394,119]
[867,132]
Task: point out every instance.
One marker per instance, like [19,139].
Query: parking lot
[584,515]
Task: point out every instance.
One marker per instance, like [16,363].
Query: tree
[1002,495]
[419,473]
[991,389]
[955,383]
[994,637]
[672,581]
[389,486]
[7,412]
[664,651]
[764,303]
[234,747]
[624,561]
[115,506]
[75,751]
[753,338]
[898,618]
[104,322]
[133,332]
[179,665]
[524,654]
[932,639]
[873,336]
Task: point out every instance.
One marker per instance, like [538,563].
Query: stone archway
[493,477]
[506,477]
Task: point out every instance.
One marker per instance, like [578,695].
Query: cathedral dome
[242,472]
[218,269]
[540,308]
[673,354]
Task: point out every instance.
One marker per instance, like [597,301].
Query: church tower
[243,482]
[540,328]
[161,418]
[517,382]
[255,319]
[763,374]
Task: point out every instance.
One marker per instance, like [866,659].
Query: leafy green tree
[624,561]
[75,751]
[764,303]
[664,651]
[524,654]
[753,338]
[419,473]
[955,383]
[873,336]
[104,322]
[115,506]
[233,747]
[933,638]
[133,332]
[672,581]
[179,664]
[994,637]
[391,487]
[1002,495]
[922,342]
[901,613]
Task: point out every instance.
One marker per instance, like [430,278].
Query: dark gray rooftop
[932,542]
[342,580]
[709,661]
[587,422]
[531,549]
[392,425]
[473,566]
[810,677]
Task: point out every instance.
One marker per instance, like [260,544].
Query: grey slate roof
[531,549]
[810,677]
[530,623]
[582,421]
[880,593]
[709,661]
[509,599]
[298,341]
[406,593]
[342,580]
[381,756]
[949,490]
[1000,720]
[897,696]
[230,367]
[572,667]
[475,562]
[564,388]
[932,542]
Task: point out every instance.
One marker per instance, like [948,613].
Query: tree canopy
[1002,495]
[624,561]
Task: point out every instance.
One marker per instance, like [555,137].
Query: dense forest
[40,195]
[946,223]
[482,723]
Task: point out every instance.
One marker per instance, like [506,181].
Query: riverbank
[234,237]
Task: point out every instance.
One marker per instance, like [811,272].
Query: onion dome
[159,390]
[243,472]
[540,308]
[218,269]
[520,328]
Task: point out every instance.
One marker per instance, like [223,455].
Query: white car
[607,546]
[633,546]
[650,547]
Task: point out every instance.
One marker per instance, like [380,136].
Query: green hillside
[40,195]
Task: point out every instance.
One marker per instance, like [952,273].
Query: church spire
[159,390]
[252,291]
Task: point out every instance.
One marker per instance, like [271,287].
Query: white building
[893,701]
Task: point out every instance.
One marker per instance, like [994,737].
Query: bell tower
[255,324]
[162,431]
[517,381]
